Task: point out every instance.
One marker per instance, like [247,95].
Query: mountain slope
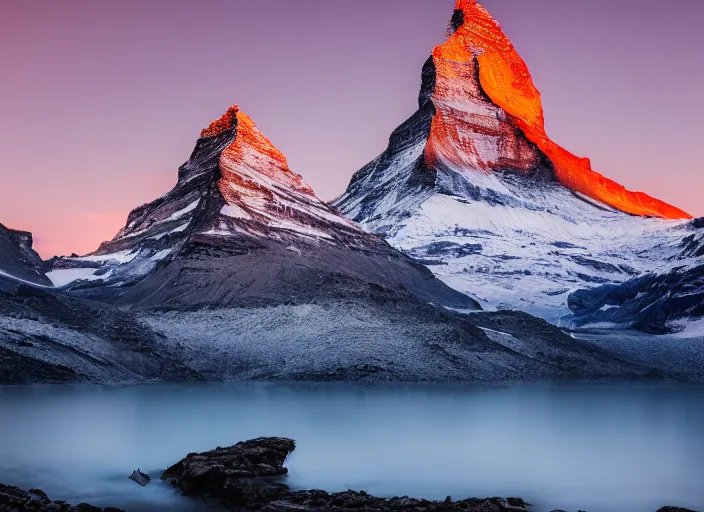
[240,228]
[657,302]
[46,336]
[472,186]
[246,274]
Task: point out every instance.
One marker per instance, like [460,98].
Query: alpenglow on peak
[503,126]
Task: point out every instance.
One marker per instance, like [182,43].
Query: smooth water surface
[597,447]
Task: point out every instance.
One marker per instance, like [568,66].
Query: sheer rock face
[253,164]
[481,113]
[241,228]
[496,131]
[469,132]
[18,260]
[472,186]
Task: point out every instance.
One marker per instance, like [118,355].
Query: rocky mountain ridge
[241,273]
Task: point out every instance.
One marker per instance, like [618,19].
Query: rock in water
[240,476]
[235,474]
[141,478]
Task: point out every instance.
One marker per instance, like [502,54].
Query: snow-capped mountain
[244,273]
[241,227]
[472,186]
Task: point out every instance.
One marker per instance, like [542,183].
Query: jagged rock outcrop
[238,475]
[472,186]
[18,260]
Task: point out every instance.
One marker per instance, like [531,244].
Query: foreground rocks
[14,499]
[238,476]
[351,500]
[244,477]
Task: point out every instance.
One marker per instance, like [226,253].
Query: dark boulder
[14,499]
[239,475]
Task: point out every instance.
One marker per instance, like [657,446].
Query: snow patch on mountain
[64,276]
[515,244]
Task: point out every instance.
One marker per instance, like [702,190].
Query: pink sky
[102,101]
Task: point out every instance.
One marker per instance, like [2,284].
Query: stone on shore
[14,499]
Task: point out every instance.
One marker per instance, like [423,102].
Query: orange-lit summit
[490,116]
[251,164]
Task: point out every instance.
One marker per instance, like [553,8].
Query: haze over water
[601,448]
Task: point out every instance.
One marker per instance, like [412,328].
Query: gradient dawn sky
[102,101]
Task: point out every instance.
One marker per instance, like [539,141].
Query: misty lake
[597,447]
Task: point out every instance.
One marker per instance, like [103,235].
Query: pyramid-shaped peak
[478,62]
[226,122]
[252,162]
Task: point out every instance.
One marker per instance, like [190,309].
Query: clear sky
[102,101]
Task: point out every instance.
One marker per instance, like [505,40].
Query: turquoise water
[595,447]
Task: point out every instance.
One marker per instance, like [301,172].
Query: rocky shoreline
[246,478]
[14,499]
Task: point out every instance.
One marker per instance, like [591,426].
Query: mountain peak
[252,165]
[226,122]
[490,115]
